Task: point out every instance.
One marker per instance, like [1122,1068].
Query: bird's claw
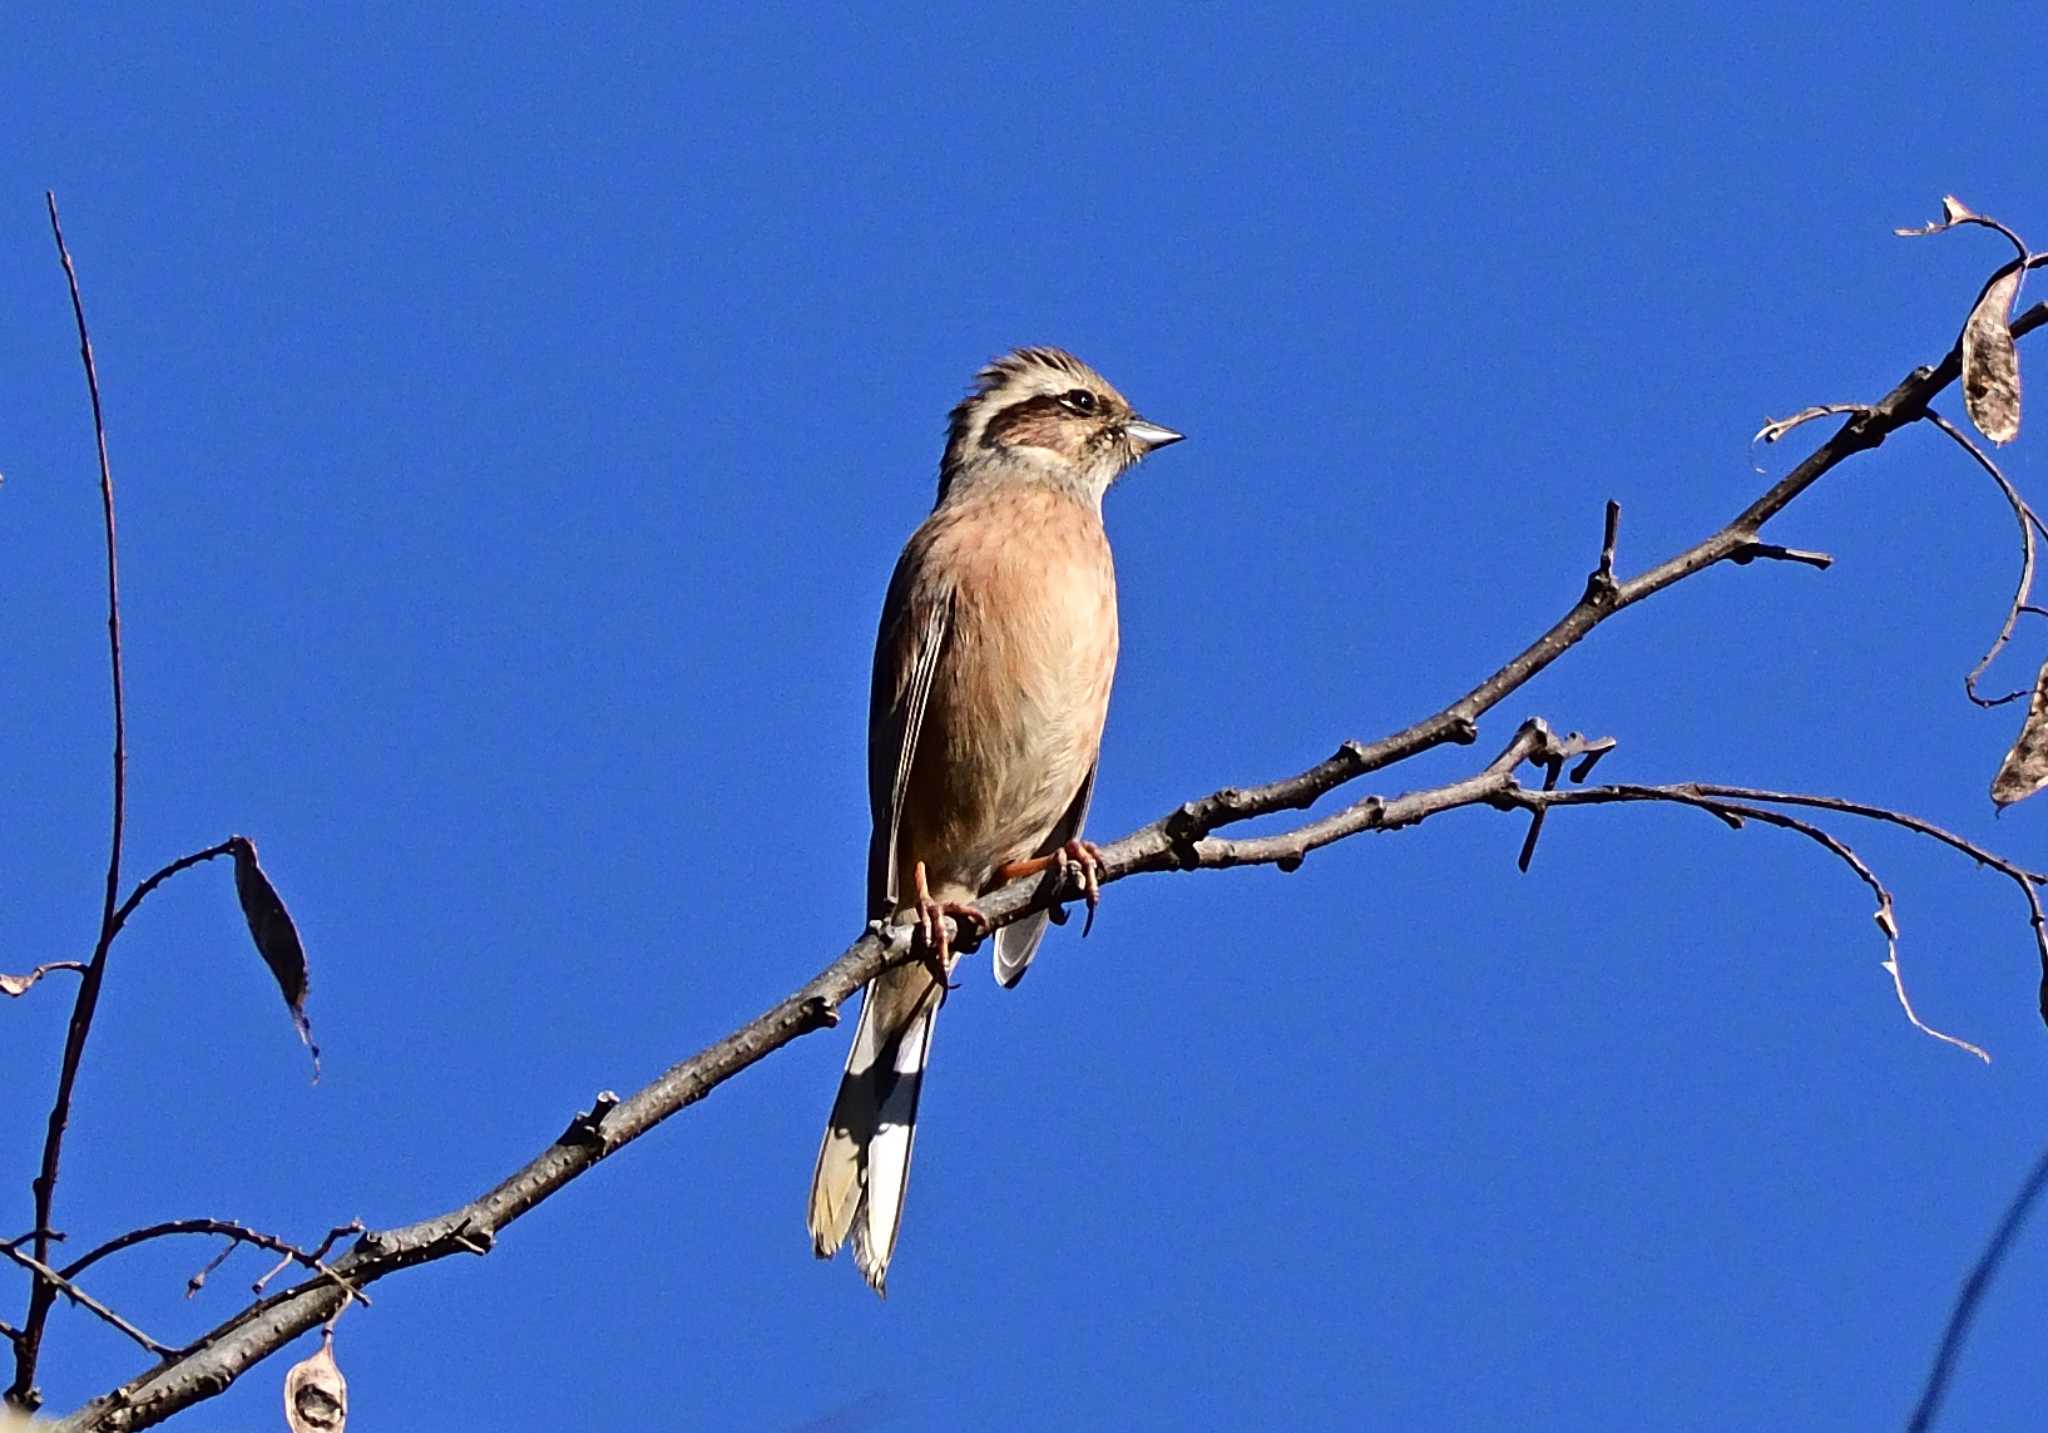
[1077,854]
[1087,856]
[932,934]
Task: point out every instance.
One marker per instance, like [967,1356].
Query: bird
[993,663]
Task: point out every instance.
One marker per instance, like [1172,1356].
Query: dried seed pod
[315,1393]
[15,985]
[1991,360]
[2025,768]
[277,939]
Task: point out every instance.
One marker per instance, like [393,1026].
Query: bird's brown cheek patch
[1032,423]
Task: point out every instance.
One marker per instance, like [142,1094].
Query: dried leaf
[277,939]
[2025,768]
[315,1393]
[1991,360]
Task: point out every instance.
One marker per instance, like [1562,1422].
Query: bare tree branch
[1866,428]
[1182,839]
[141,892]
[236,1234]
[2029,525]
[2027,881]
[1972,1294]
[21,1392]
[215,1360]
[43,1293]
[47,1276]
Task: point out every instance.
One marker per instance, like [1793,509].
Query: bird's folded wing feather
[907,655]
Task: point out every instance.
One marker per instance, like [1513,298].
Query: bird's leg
[931,927]
[1077,852]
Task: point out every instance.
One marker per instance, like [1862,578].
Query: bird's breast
[1018,702]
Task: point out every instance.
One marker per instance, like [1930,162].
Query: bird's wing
[1018,942]
[916,621]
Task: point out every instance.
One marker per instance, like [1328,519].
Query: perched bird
[992,671]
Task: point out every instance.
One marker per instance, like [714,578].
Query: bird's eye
[1078,400]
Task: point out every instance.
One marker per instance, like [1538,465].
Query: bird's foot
[1087,857]
[1077,853]
[931,929]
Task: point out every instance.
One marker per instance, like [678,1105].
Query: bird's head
[1043,414]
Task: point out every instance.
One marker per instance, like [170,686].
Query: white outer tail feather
[863,1169]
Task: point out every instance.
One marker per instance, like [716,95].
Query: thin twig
[1552,763]
[198,1281]
[313,1260]
[2029,524]
[1972,1294]
[2029,882]
[1776,428]
[1608,536]
[1773,552]
[136,896]
[20,984]
[327,1327]
[1735,804]
[50,1278]
[57,1236]
[42,1294]
[236,1234]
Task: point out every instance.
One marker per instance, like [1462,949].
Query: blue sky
[515,419]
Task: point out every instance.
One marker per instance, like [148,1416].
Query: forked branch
[1186,838]
[267,1325]
[42,1290]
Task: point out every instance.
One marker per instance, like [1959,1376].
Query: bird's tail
[864,1161]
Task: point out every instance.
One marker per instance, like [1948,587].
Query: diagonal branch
[1866,428]
[1972,1294]
[220,1356]
[49,1277]
[1182,839]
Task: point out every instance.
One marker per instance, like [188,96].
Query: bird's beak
[1150,435]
